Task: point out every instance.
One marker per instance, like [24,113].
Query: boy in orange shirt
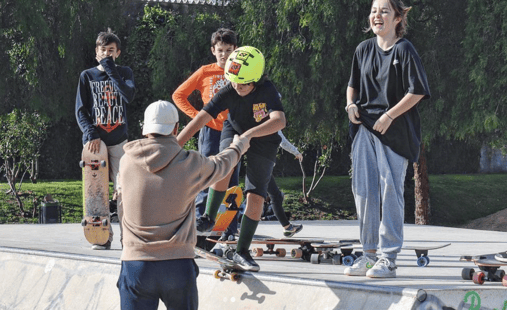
[208,80]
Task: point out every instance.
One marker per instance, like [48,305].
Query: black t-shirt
[383,78]
[249,111]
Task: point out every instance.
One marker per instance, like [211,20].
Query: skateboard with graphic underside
[228,210]
[337,252]
[421,251]
[228,269]
[95,195]
[489,269]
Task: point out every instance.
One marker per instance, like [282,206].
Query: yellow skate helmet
[245,65]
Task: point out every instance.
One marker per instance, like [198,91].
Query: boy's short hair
[107,37]
[225,36]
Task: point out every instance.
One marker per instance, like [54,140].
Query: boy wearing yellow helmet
[255,112]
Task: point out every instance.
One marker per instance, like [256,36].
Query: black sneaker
[227,237]
[292,230]
[204,223]
[246,261]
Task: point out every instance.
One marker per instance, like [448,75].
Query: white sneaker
[384,268]
[360,267]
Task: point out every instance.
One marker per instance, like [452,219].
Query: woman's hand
[353,112]
[383,123]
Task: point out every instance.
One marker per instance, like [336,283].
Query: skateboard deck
[228,210]
[489,269]
[95,195]
[228,269]
[337,252]
[421,251]
[304,250]
[232,201]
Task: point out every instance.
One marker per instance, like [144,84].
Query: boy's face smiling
[243,89]
[109,50]
[222,51]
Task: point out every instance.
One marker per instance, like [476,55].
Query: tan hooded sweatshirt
[159,182]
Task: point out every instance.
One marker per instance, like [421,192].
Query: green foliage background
[44,45]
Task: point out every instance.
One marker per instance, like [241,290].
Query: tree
[22,135]
[308,47]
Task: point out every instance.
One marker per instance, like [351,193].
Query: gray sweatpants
[378,176]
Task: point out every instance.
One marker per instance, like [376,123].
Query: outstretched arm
[201,119]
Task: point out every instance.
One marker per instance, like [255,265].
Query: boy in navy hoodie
[101,106]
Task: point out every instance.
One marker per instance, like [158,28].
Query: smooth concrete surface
[53,267]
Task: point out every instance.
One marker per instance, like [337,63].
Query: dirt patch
[496,221]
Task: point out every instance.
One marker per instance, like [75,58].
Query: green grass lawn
[455,199]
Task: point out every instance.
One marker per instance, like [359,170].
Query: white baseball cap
[160,117]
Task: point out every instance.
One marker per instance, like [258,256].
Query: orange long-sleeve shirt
[208,80]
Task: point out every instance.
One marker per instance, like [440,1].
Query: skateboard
[421,251]
[489,269]
[304,251]
[95,195]
[228,269]
[232,201]
[226,213]
[329,251]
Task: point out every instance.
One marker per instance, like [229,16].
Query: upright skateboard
[227,212]
[95,195]
[421,251]
[228,268]
[489,269]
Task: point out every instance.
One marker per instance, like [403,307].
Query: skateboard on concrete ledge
[228,269]
[95,195]
[421,251]
[489,269]
[226,214]
[304,251]
[338,252]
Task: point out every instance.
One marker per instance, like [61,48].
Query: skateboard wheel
[296,253]
[348,260]
[478,277]
[423,261]
[81,164]
[217,274]
[281,252]
[234,277]
[504,281]
[258,252]
[84,223]
[467,273]
[104,222]
[499,274]
[218,252]
[229,254]
[336,260]
[103,163]
[315,258]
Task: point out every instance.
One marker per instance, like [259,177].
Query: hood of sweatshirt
[153,154]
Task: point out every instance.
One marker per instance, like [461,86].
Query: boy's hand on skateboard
[94,146]
[242,139]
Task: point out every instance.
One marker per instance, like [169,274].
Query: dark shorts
[143,283]
[260,160]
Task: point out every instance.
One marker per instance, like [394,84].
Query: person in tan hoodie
[158,184]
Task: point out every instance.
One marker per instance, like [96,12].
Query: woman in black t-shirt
[387,82]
